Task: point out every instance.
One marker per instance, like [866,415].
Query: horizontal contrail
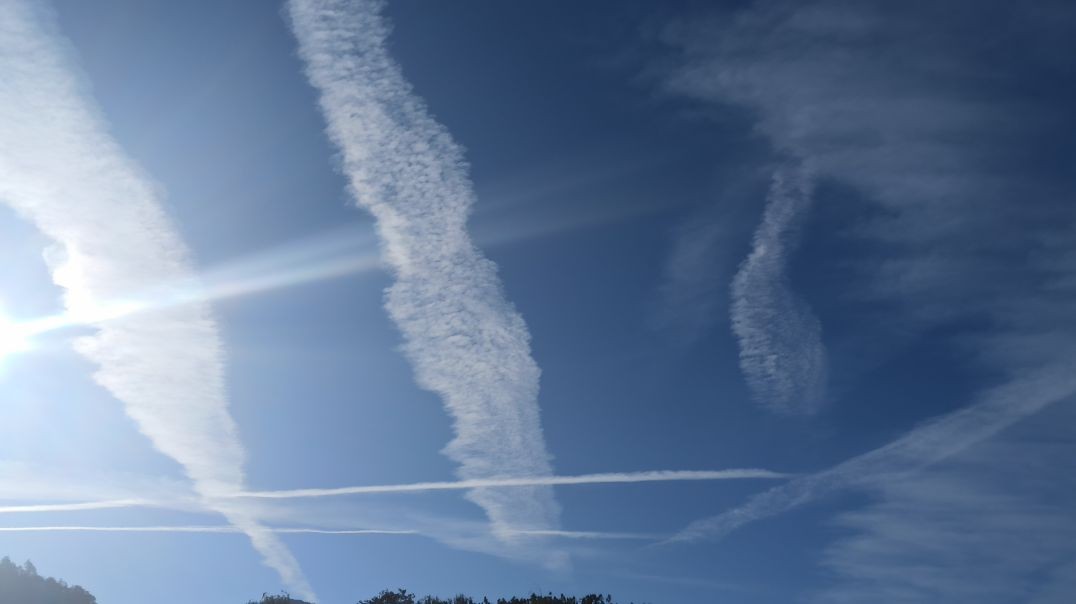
[231,530]
[197,529]
[590,535]
[107,504]
[419,487]
[528,481]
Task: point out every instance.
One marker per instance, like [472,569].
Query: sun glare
[13,338]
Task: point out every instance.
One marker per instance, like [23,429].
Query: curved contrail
[781,351]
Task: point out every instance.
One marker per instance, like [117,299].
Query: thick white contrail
[521,482]
[465,341]
[64,173]
[781,351]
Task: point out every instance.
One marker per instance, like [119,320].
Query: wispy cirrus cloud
[936,135]
[781,350]
[465,340]
[937,440]
[66,175]
[992,524]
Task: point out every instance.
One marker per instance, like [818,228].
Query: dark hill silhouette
[22,585]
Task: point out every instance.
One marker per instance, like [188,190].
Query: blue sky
[746,302]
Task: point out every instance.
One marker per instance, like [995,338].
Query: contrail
[529,481]
[465,341]
[593,535]
[223,529]
[997,410]
[231,530]
[419,487]
[107,504]
[65,174]
[781,351]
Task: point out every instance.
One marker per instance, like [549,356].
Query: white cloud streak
[781,351]
[465,340]
[65,174]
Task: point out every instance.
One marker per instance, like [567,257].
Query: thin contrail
[998,409]
[107,504]
[221,529]
[225,529]
[592,535]
[527,481]
[419,487]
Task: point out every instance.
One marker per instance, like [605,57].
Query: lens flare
[13,337]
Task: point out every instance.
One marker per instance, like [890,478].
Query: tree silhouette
[283,598]
[402,596]
[23,585]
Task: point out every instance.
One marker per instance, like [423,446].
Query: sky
[746,302]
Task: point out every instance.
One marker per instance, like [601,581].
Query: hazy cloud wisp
[891,101]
